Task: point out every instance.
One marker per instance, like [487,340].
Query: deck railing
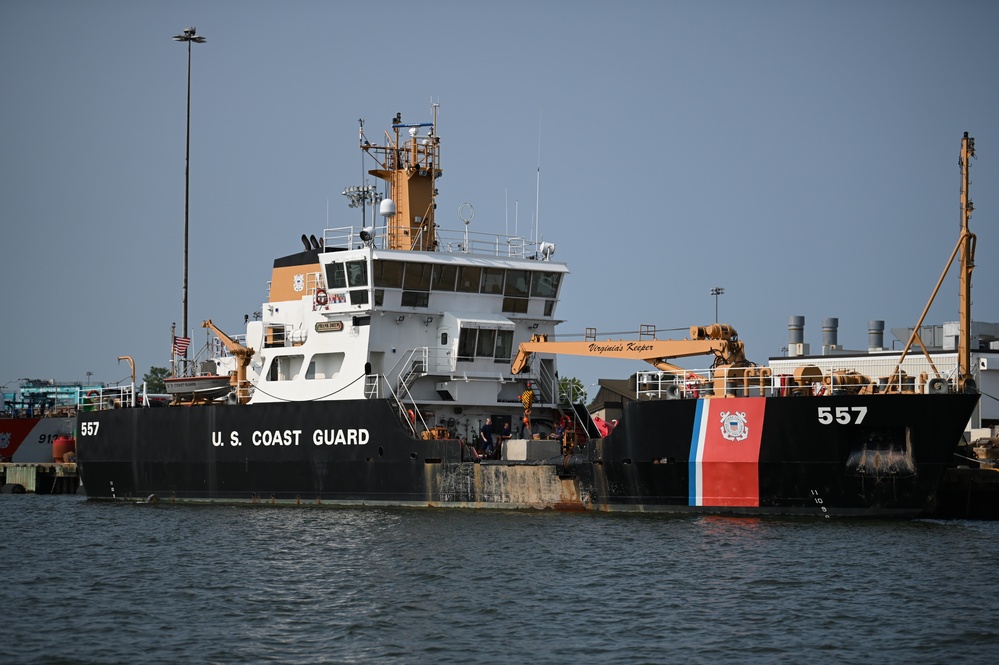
[768,382]
[448,241]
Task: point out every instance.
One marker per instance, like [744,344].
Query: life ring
[818,389]
[321,298]
[90,400]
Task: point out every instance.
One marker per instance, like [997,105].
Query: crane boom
[719,340]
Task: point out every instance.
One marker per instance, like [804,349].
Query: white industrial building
[878,361]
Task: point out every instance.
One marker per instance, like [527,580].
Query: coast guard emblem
[299,282]
[4,439]
[734,426]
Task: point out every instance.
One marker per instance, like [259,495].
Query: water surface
[91,582]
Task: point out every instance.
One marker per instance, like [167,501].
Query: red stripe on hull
[730,452]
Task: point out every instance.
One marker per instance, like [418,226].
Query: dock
[968,494]
[39,478]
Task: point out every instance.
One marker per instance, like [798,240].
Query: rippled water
[96,583]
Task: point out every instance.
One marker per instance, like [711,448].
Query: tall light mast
[191,36]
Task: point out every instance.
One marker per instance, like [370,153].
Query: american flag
[180,345]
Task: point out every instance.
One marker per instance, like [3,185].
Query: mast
[411,166]
[964,250]
[967,264]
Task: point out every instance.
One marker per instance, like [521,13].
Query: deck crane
[242,355]
[719,340]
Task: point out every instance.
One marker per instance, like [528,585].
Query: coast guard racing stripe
[725,452]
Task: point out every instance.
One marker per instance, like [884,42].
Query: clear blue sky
[801,155]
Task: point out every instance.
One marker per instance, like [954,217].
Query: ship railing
[657,385]
[544,383]
[873,375]
[490,244]
[547,384]
[371,382]
[244,391]
[277,335]
[107,397]
[202,362]
[750,381]
[402,401]
[412,365]
[448,241]
[768,382]
[416,368]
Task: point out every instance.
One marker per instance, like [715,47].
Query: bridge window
[388,274]
[545,284]
[468,279]
[357,273]
[335,277]
[444,276]
[417,277]
[492,280]
[517,283]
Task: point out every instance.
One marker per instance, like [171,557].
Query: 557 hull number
[843,415]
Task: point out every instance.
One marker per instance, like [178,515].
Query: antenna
[361,141]
[466,216]
[537,202]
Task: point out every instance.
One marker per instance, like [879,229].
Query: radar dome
[386,208]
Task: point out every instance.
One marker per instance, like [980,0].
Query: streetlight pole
[717,291]
[189,35]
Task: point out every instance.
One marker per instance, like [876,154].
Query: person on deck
[502,438]
[486,438]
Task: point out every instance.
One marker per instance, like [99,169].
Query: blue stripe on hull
[696,446]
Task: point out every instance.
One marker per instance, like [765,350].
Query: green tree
[571,391]
[154,379]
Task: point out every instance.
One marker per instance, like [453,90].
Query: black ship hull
[818,456]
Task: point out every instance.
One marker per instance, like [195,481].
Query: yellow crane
[719,340]
[242,355]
